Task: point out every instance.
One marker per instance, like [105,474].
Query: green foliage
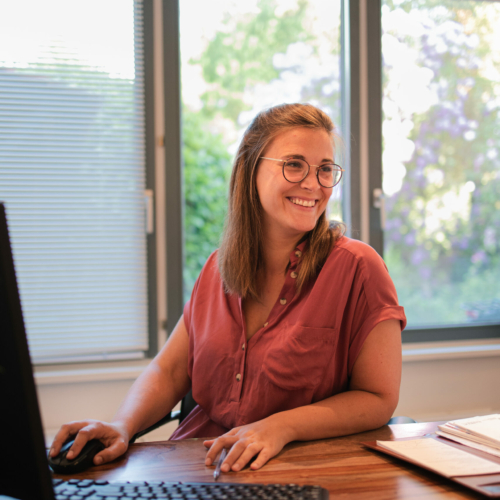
[241,56]
[206,176]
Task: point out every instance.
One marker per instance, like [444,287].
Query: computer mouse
[83,461]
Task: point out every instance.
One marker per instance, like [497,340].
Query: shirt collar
[297,253]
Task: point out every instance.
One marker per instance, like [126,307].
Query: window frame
[150,174]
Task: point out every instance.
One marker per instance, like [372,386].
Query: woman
[293,331]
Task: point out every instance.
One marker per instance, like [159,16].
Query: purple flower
[463,244]
[479,257]
[425,272]
[410,239]
[418,256]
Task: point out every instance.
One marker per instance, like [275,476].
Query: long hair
[240,255]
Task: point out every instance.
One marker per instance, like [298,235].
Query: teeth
[304,203]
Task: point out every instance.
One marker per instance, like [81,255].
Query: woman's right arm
[155,392]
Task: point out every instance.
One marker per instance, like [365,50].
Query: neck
[277,253]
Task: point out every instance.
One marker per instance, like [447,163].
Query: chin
[303,228]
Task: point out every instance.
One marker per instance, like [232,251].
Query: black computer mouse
[83,461]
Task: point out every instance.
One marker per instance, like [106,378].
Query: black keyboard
[87,489]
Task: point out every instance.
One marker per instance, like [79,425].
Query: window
[441,163]
[73,174]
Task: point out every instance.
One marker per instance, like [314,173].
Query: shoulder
[360,253]
[209,275]
[211,265]
[358,264]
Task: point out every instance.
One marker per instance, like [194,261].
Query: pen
[223,454]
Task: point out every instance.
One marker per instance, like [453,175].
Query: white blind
[72,174]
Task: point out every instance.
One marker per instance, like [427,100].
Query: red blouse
[304,353]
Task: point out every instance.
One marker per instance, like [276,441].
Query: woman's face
[290,210]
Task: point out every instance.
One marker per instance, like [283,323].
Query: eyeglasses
[296,170]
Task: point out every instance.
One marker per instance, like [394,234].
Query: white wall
[443,389]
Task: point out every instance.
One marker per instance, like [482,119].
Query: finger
[236,453]
[213,451]
[209,442]
[217,447]
[82,438]
[66,431]
[117,448]
[263,457]
[248,453]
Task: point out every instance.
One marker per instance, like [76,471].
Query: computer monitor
[24,471]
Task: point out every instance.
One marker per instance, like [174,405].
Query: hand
[113,436]
[265,438]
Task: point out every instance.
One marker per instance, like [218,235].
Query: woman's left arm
[369,403]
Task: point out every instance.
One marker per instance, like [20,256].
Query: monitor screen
[24,472]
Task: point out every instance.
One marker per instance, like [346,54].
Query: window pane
[441,166]
[237,59]
[72,173]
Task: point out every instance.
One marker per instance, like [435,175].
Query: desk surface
[341,465]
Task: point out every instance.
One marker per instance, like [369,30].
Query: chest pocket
[299,357]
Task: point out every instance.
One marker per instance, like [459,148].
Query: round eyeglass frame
[308,170]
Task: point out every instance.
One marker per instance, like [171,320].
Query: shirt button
[266,323]
[238,377]
[298,253]
[293,274]
[282,302]
[243,347]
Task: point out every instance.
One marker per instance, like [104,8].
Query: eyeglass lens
[296,170]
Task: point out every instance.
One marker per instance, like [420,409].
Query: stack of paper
[481,433]
[442,458]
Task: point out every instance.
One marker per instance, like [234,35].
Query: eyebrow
[302,157]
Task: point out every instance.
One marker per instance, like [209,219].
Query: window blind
[72,174]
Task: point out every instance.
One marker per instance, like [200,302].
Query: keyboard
[87,489]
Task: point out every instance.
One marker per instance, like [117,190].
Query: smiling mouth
[303,203]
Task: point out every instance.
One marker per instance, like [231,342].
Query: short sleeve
[205,274]
[375,300]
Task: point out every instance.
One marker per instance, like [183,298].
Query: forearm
[372,396]
[345,413]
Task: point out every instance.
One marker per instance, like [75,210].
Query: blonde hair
[240,255]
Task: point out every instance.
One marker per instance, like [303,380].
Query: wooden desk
[341,465]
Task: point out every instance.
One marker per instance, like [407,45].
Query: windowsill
[426,351]
[89,372]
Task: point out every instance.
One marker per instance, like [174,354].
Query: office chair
[188,404]
[401,420]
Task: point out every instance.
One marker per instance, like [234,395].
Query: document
[470,444]
[441,458]
[486,427]
[483,430]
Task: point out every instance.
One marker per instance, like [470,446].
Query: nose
[310,182]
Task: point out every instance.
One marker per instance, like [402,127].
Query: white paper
[441,458]
[451,429]
[471,444]
[487,426]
